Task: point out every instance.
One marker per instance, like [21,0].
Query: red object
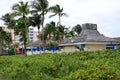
[17,50]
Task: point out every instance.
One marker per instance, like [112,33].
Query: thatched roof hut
[89,33]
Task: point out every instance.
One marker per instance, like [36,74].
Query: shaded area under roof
[40,43]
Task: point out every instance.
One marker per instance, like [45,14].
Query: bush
[11,51]
[85,65]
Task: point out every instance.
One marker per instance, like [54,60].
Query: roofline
[68,44]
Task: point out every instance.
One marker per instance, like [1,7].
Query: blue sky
[104,13]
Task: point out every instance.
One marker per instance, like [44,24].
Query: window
[31,34]
[31,37]
[110,46]
[31,28]
[80,47]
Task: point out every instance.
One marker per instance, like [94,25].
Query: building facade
[33,33]
[89,39]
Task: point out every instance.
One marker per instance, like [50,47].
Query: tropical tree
[52,32]
[57,11]
[22,10]
[77,29]
[35,20]
[50,29]
[5,39]
[47,33]
[62,30]
[40,7]
[69,34]
[8,19]
[43,37]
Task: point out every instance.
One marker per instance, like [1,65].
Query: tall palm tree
[8,19]
[40,6]
[57,11]
[35,20]
[22,10]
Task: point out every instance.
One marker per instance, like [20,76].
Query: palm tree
[50,29]
[62,30]
[8,19]
[43,37]
[5,39]
[59,33]
[77,29]
[70,34]
[35,20]
[57,11]
[40,6]
[22,10]
[47,33]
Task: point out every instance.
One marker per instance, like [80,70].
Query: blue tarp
[113,46]
[41,48]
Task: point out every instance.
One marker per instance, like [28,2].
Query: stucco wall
[68,49]
[35,36]
[92,47]
[88,47]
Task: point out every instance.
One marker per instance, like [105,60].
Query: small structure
[89,39]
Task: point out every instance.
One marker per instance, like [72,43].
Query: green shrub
[85,65]
[11,51]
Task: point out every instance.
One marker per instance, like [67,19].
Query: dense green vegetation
[98,65]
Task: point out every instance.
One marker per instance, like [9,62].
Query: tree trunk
[25,52]
[38,34]
[0,47]
[42,30]
[26,37]
[59,21]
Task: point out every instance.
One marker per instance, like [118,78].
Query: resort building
[89,39]
[33,33]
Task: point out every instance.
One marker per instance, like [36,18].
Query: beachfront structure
[89,39]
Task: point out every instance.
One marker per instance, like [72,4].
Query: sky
[104,13]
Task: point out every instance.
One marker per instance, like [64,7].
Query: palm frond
[52,15]
[64,14]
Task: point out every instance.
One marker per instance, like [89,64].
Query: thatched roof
[89,34]
[117,38]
